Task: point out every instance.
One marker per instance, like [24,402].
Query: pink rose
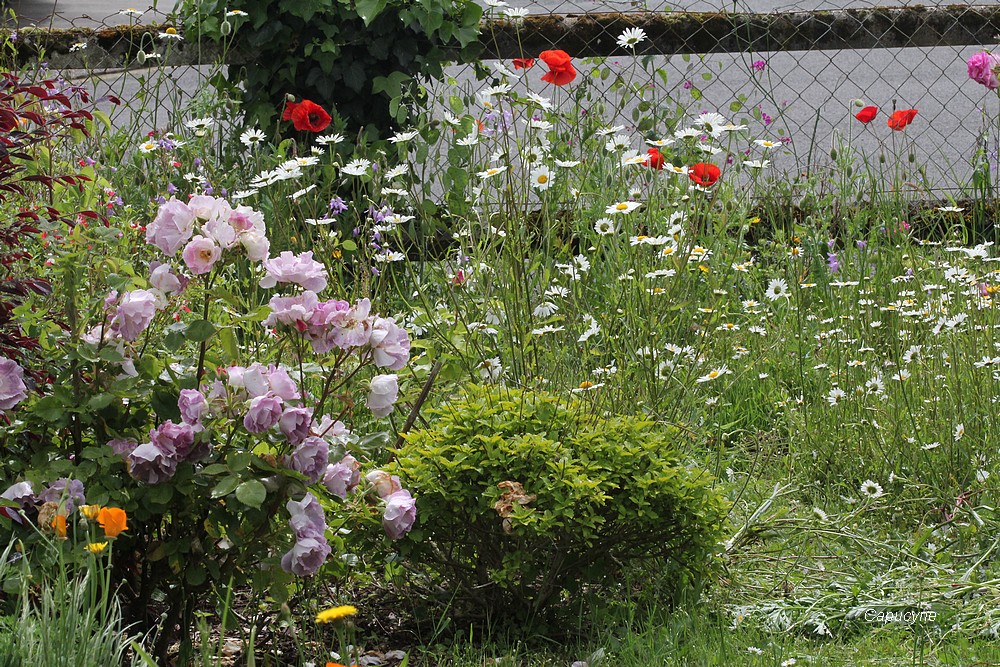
[201,254]
[400,514]
[982,69]
[382,395]
[264,412]
[390,344]
[135,311]
[12,387]
[342,477]
[298,269]
[172,227]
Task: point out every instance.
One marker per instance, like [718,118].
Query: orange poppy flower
[306,116]
[900,119]
[867,114]
[561,70]
[59,525]
[655,159]
[112,520]
[704,173]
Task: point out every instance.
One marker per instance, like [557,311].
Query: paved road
[808,94]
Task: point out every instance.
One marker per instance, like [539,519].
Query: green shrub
[355,58]
[523,495]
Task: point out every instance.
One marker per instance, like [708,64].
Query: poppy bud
[858,103]
[226,28]
[911,158]
[140,57]
[833,153]
[849,171]
[881,158]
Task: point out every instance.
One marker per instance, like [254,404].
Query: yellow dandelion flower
[96,547]
[336,613]
[90,511]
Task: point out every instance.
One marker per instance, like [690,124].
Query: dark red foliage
[31,115]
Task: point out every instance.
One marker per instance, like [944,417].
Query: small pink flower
[201,254]
[298,269]
[172,227]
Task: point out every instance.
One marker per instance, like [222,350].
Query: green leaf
[251,493]
[101,401]
[200,331]
[369,10]
[50,408]
[225,487]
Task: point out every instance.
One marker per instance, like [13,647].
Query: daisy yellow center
[621,207]
[586,384]
[542,178]
[171,31]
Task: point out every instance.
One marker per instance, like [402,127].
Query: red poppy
[523,63]
[704,173]
[561,69]
[900,119]
[306,116]
[867,114]
[655,159]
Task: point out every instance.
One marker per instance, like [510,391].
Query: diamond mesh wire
[891,59]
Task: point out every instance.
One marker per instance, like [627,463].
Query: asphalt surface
[808,95]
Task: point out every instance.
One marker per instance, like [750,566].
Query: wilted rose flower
[310,458]
[207,207]
[309,525]
[135,311]
[382,395]
[256,244]
[264,412]
[342,477]
[177,439]
[400,514]
[12,387]
[301,270]
[307,517]
[123,446]
[282,384]
[192,404]
[172,227]
[64,489]
[390,344]
[294,423]
[252,378]
[338,324]
[295,311]
[162,277]
[982,69]
[221,232]
[201,254]
[384,484]
[306,557]
[21,493]
[150,464]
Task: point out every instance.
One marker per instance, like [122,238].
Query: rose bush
[225,466]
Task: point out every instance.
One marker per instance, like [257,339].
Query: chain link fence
[794,71]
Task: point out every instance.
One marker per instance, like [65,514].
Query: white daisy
[777,289]
[623,207]
[402,137]
[631,37]
[871,489]
[605,227]
[252,137]
[358,167]
[541,178]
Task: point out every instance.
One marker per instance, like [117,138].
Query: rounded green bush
[523,495]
